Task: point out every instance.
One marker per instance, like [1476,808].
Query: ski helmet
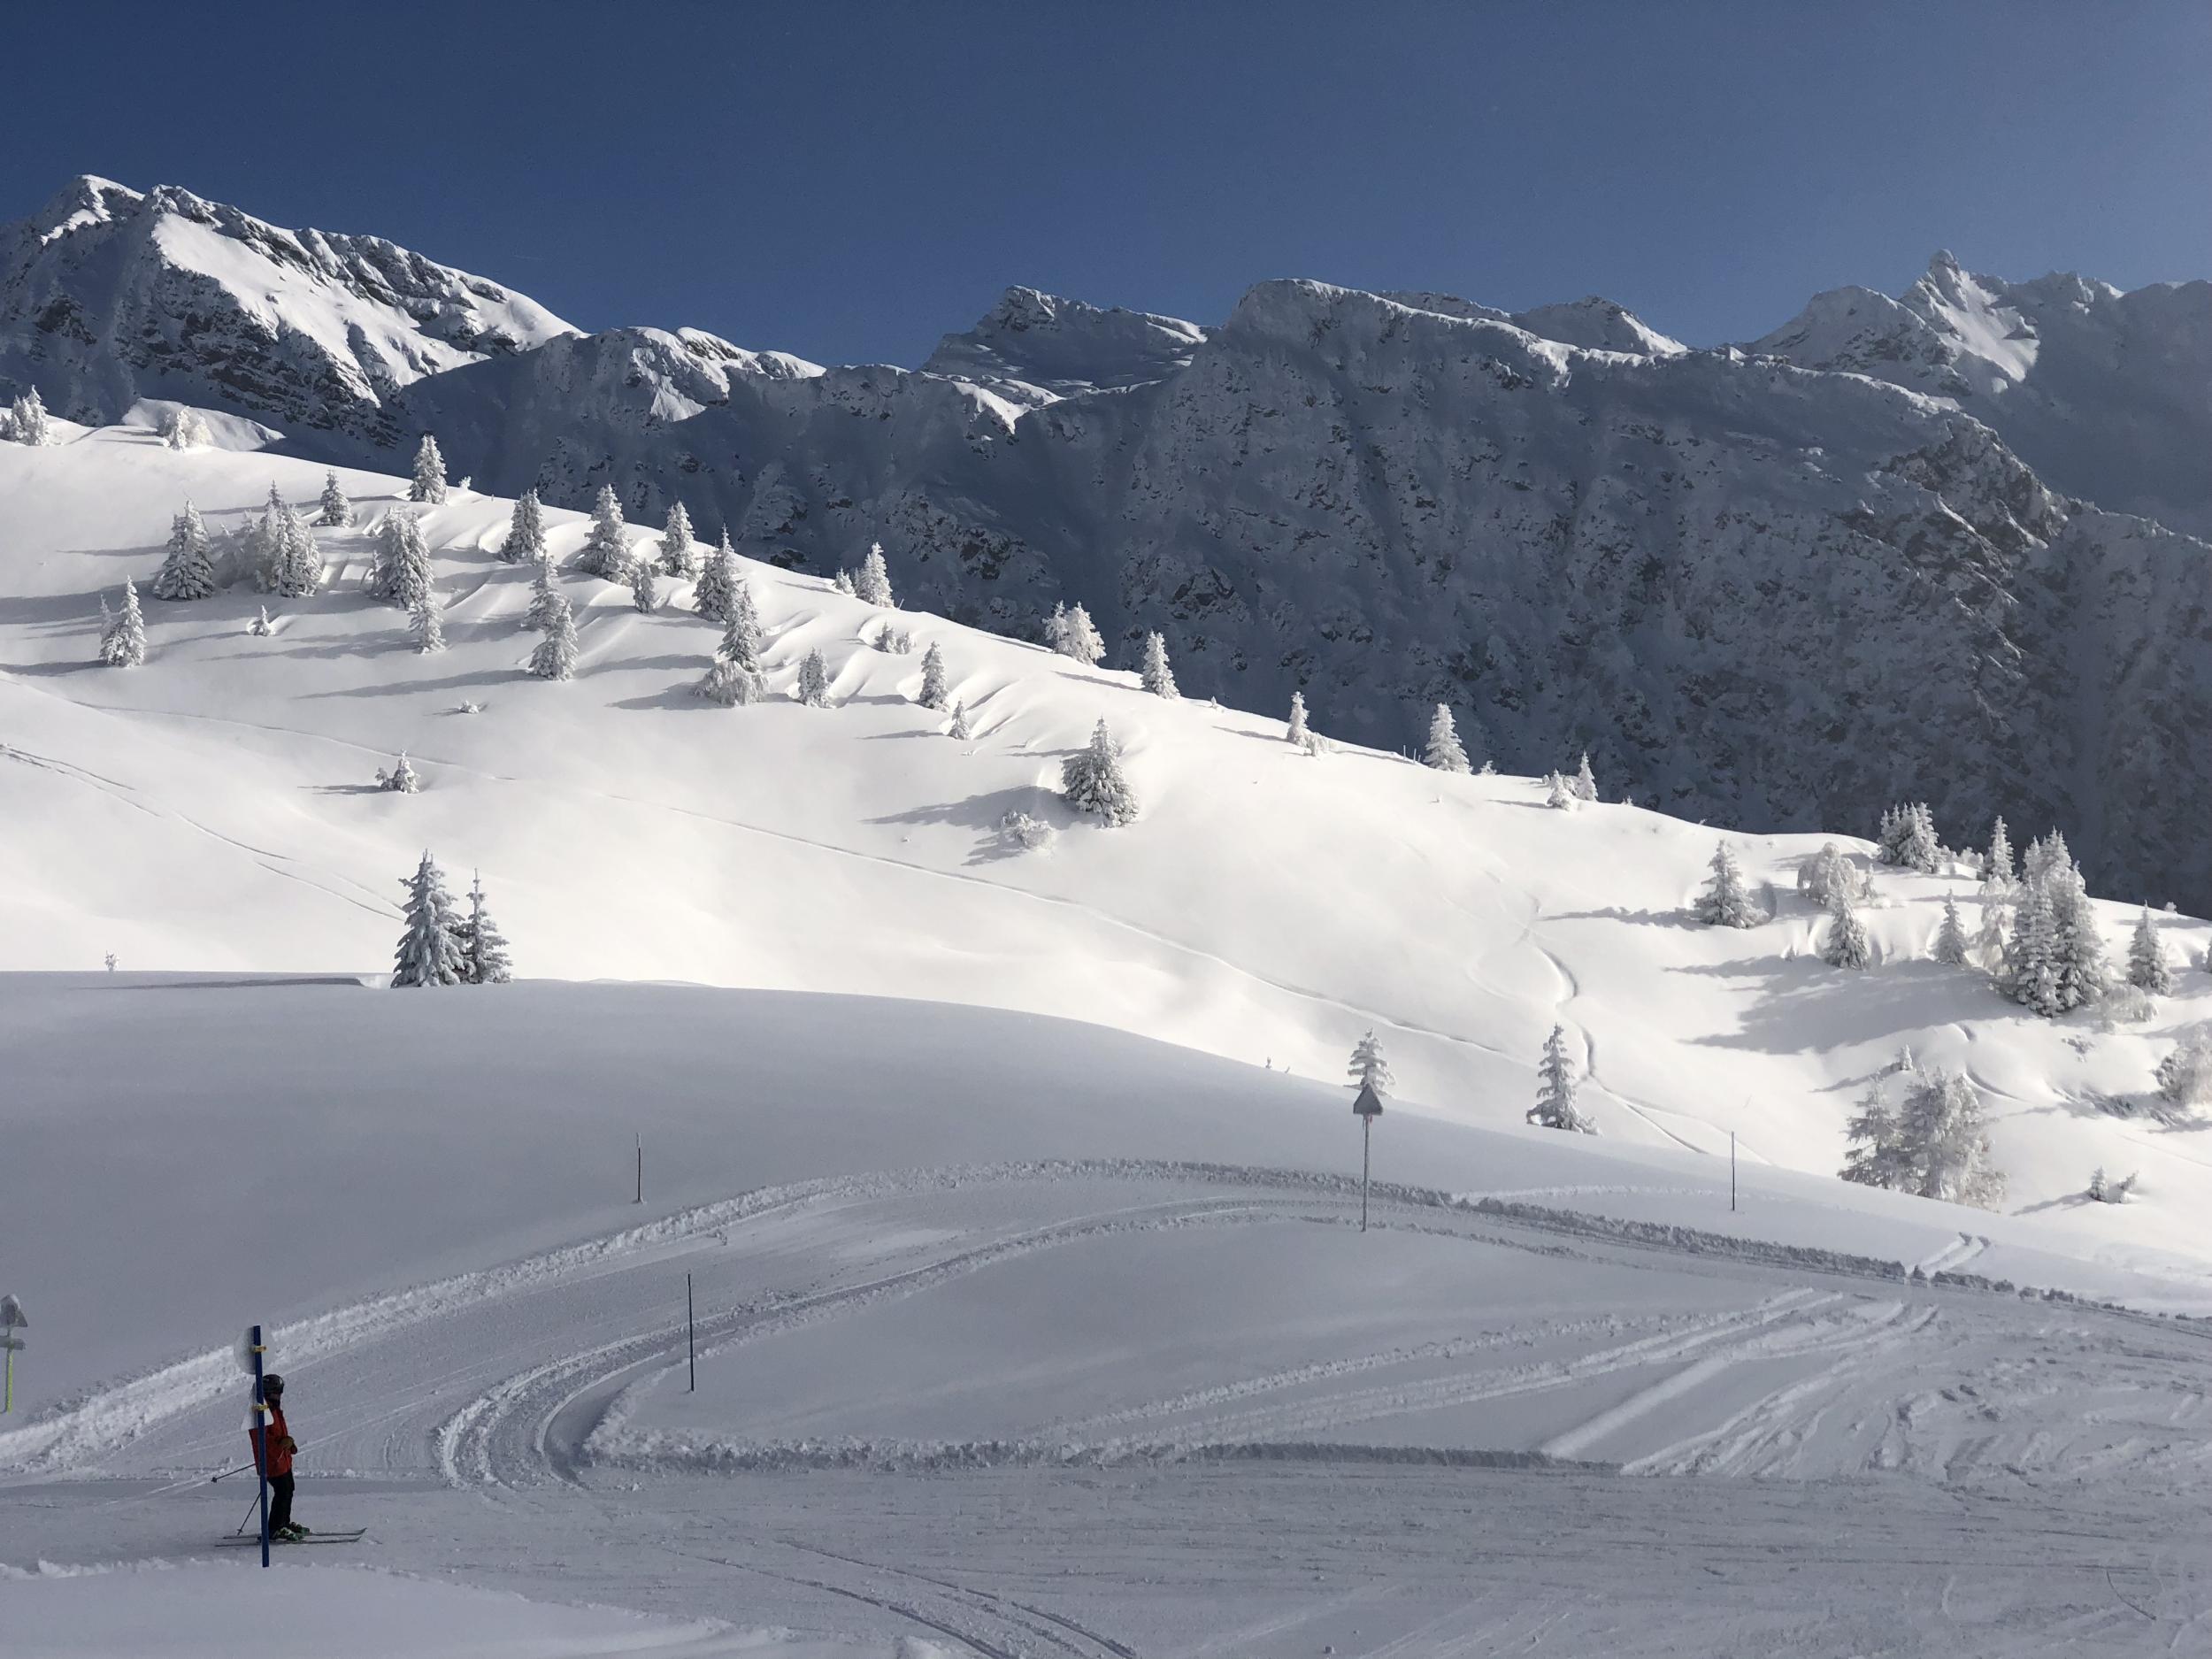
[273,1384]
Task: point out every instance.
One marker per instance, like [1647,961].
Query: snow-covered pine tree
[428,483]
[1944,1142]
[716,588]
[1555,1085]
[402,779]
[2032,958]
[958,730]
[1296,731]
[1093,781]
[1079,637]
[543,594]
[188,569]
[873,583]
[401,572]
[2078,943]
[2184,1075]
[1828,872]
[1443,752]
[526,531]
[1991,947]
[183,428]
[1724,902]
[28,422]
[844,583]
[814,682]
[1845,945]
[676,559]
[297,570]
[333,510]
[425,621]
[555,657]
[123,635]
[1586,783]
[1950,939]
[740,631]
[933,689]
[260,627]
[1159,679]
[1560,793]
[2044,857]
[1873,1155]
[606,553]
[645,591]
[486,962]
[2146,959]
[1997,861]
[1889,836]
[730,684]
[427,954]
[1368,1069]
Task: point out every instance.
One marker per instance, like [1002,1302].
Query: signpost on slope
[249,1356]
[12,1320]
[1367,1107]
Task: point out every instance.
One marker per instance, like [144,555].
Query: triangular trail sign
[1369,1104]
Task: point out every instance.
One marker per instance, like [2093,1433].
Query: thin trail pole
[1732,1171]
[1366,1139]
[260,1441]
[691,1335]
[640,1172]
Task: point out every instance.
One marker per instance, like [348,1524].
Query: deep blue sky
[849,181]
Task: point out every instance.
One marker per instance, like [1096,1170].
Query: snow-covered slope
[214,810]
[108,295]
[2106,393]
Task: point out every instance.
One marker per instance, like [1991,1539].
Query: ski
[312,1537]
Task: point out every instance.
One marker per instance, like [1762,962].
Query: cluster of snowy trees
[183,428]
[1071,632]
[26,422]
[1933,1143]
[442,945]
[1906,838]
[734,678]
[403,779]
[2054,960]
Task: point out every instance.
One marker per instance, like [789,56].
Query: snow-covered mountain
[1561,522]
[109,296]
[2106,393]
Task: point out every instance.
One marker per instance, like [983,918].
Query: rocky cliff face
[1773,594]
[2106,394]
[108,295]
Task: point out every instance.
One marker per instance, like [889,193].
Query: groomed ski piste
[1044,1327]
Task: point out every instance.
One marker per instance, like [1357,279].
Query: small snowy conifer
[2146,960]
[1071,632]
[123,637]
[485,961]
[1950,940]
[1296,731]
[606,553]
[27,423]
[188,570]
[958,730]
[1159,679]
[740,631]
[1845,945]
[1093,782]
[1586,783]
[429,484]
[1724,903]
[1559,793]
[555,657]
[1444,752]
[543,594]
[1368,1069]
[337,512]
[814,682]
[873,583]
[932,677]
[716,588]
[676,559]
[645,591]
[425,621]
[1997,861]
[427,953]
[261,628]
[1555,1107]
[843,582]
[526,531]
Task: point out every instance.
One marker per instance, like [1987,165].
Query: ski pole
[251,1507]
[227,1473]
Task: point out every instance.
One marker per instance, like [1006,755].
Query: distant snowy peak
[108,295]
[1033,348]
[2107,393]
[1599,325]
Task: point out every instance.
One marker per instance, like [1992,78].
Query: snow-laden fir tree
[1443,751]
[1159,678]
[645,592]
[543,594]
[740,630]
[958,730]
[555,657]
[333,511]
[1950,939]
[188,569]
[933,688]
[716,588]
[26,422]
[1907,838]
[1873,1154]
[428,483]
[1071,632]
[2146,960]
[1845,945]
[814,680]
[1944,1142]
[873,583]
[261,627]
[1368,1069]
[2032,968]
[428,952]
[2044,857]
[297,568]
[843,582]
[1586,783]
[484,959]
[425,621]
[675,554]
[183,428]
[1296,731]
[401,573]
[1559,793]
[1555,1107]
[730,684]
[606,553]
[2078,942]
[1094,782]
[526,531]
[123,635]
[1997,861]
[1827,873]
[402,779]
[1724,902]
[2184,1075]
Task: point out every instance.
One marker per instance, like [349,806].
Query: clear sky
[849,181]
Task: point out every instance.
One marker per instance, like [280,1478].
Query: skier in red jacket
[277,1464]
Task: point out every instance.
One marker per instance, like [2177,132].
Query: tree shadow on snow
[1622,913]
[451,682]
[1802,1005]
